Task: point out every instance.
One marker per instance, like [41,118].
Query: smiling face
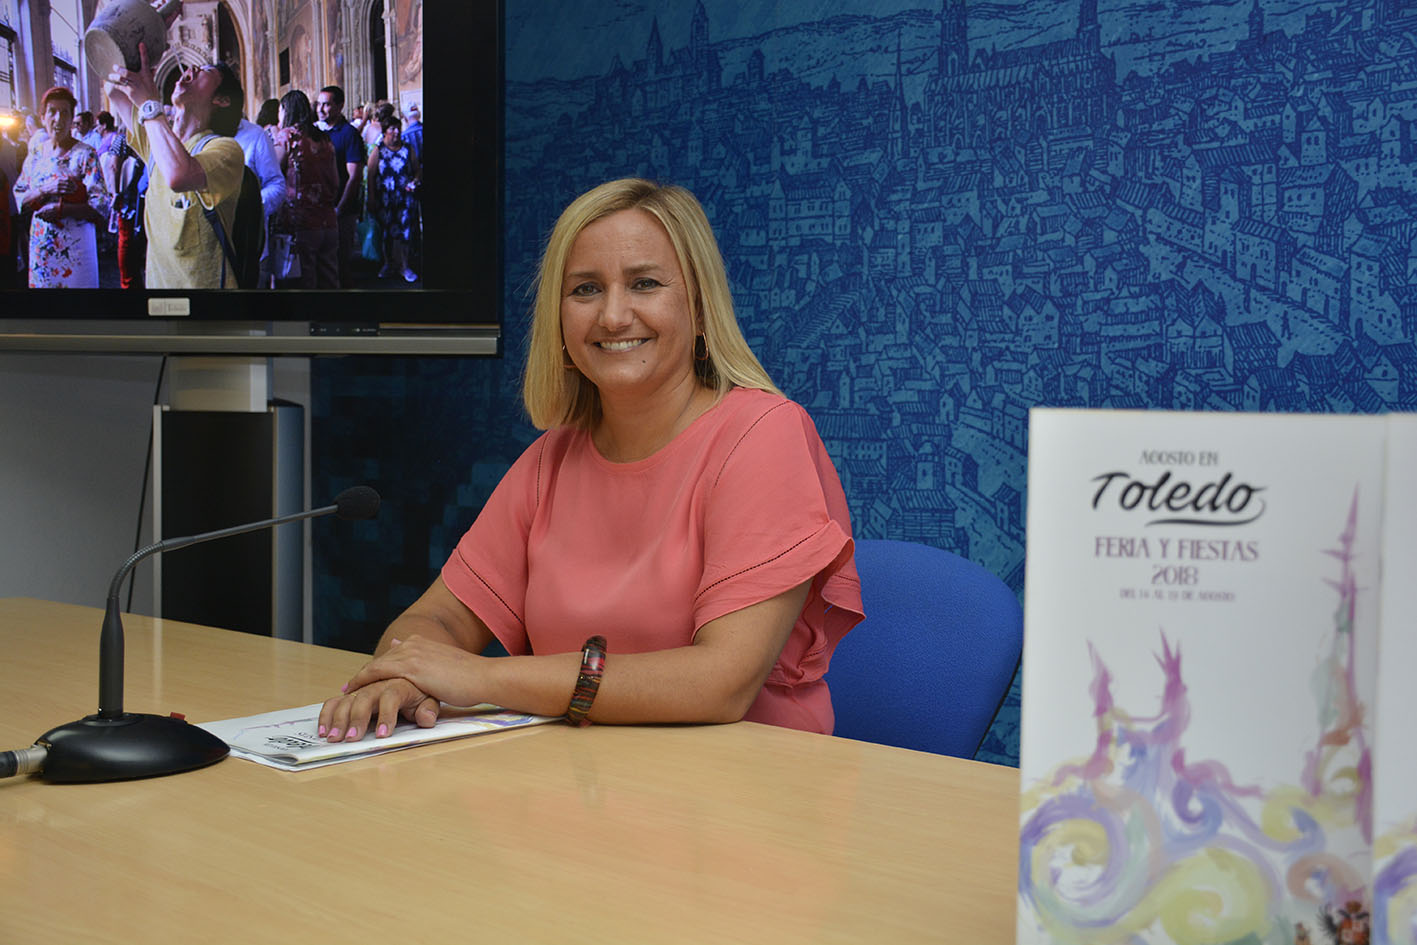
[327,108]
[625,308]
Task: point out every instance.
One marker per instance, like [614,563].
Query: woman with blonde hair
[675,548]
[555,396]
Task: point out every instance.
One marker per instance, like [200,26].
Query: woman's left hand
[445,672]
[51,212]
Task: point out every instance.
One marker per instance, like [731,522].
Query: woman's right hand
[347,717]
[65,186]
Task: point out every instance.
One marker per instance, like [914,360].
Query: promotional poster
[1395,770]
[1200,672]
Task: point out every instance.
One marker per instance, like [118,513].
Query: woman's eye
[585,288]
[645,282]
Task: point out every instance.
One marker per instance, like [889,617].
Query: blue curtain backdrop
[935,216]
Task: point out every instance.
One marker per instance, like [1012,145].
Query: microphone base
[133,745]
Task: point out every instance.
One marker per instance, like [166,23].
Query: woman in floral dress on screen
[62,185]
[394,176]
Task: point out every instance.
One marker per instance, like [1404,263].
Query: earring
[566,361]
[701,341]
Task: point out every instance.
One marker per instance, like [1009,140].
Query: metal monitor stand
[225,453]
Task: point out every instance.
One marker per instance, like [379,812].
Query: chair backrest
[932,661]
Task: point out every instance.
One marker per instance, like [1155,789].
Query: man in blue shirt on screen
[349,162]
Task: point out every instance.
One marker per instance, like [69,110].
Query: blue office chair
[932,661]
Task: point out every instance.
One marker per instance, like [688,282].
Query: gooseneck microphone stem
[110,644]
[112,744]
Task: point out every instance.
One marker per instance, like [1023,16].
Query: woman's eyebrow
[635,270]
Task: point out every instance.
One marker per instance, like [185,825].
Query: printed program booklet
[1200,736]
[287,738]
[1394,917]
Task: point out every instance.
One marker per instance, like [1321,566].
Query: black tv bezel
[463,95]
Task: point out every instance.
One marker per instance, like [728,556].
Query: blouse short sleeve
[742,506]
[488,569]
[776,517]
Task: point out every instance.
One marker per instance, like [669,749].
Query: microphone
[114,745]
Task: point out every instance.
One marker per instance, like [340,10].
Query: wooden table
[725,834]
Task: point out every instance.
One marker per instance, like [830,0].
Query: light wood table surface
[738,833]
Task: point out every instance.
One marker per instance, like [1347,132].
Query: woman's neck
[627,433]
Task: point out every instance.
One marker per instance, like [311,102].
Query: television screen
[414,241]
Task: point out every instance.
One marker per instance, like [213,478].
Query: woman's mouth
[620,345]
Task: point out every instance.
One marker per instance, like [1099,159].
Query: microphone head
[357,502]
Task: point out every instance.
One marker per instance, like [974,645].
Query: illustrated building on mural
[972,101]
[967,231]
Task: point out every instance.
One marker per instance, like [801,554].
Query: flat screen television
[444,57]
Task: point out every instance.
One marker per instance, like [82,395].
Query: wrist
[466,682]
[587,682]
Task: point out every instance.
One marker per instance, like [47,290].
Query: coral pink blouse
[741,506]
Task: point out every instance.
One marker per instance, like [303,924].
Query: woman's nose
[617,311]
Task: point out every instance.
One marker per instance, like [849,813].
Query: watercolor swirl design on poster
[1197,755]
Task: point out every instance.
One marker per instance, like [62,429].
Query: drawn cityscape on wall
[960,231]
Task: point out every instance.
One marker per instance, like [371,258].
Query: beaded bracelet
[587,684]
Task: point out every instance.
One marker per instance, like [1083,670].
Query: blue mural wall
[935,216]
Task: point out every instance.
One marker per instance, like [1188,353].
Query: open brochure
[286,738]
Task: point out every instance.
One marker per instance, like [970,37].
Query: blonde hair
[556,396]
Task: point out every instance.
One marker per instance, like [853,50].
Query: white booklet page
[287,738]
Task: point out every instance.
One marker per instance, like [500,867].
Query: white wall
[73,440]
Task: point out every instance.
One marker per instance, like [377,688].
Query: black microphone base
[133,745]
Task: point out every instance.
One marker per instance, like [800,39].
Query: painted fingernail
[322,731]
[344,688]
[351,733]
[383,730]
